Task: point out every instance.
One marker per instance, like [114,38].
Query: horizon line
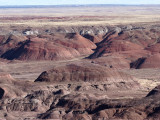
[82,5]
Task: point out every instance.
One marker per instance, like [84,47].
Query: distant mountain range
[53,6]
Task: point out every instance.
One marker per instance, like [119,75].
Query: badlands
[97,63]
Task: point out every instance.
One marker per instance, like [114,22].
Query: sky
[71,2]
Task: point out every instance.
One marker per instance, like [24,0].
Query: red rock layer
[50,47]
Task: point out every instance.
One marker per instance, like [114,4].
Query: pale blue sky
[60,2]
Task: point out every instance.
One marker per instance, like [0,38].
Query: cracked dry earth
[91,73]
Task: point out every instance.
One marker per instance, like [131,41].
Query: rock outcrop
[80,106]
